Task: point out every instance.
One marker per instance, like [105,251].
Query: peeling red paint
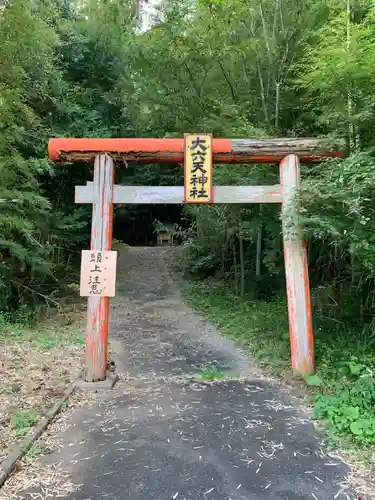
[297,277]
[238,151]
[101,239]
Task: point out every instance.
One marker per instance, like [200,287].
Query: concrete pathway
[160,435]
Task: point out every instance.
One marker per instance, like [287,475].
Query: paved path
[161,436]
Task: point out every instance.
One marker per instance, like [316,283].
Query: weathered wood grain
[101,239]
[296,272]
[175,194]
[239,151]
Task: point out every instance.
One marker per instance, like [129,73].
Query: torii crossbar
[102,194]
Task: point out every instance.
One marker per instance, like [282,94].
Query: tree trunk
[236,287]
[242,268]
[259,247]
[351,131]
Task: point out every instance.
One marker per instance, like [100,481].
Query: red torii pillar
[102,193]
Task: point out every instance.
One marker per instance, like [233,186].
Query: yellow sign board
[98,273]
[198,168]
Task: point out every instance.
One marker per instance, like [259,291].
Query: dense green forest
[236,68]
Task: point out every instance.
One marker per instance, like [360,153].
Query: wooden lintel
[175,194]
[225,151]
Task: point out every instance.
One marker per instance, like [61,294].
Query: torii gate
[102,194]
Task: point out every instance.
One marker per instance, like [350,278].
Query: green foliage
[23,328]
[351,411]
[209,374]
[340,206]
[22,420]
[45,90]
[33,228]
[313,381]
[35,451]
[278,68]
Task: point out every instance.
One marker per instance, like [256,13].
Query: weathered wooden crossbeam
[239,151]
[175,194]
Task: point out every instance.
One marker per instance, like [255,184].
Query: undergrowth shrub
[351,412]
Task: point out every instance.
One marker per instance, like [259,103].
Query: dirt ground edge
[20,450]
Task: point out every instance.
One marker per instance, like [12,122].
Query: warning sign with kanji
[98,273]
[198,168]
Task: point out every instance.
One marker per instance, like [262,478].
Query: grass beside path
[343,388]
[37,364]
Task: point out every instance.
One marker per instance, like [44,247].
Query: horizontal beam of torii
[174,195]
[225,151]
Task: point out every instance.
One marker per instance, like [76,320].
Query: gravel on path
[160,435]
